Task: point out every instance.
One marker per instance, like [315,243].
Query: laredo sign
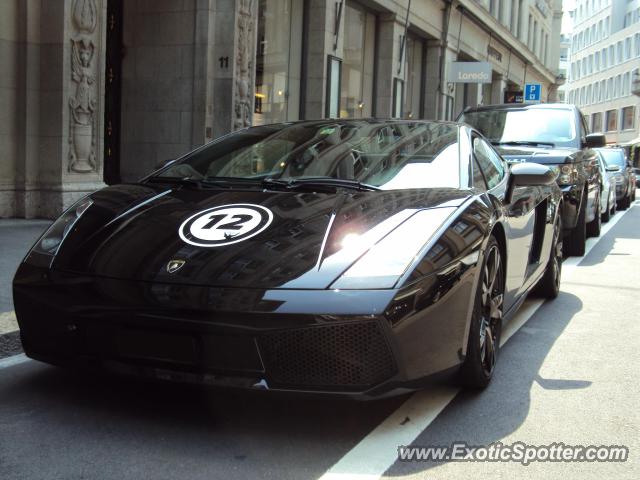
[469,72]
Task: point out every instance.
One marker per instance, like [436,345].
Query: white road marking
[14,360]
[376,452]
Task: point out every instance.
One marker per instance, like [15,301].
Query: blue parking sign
[532,92]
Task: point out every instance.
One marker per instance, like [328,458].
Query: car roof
[521,106]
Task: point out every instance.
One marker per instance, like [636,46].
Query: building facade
[605,57]
[96,92]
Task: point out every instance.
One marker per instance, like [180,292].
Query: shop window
[356,94]
[277,95]
[413,77]
[612,120]
[627,118]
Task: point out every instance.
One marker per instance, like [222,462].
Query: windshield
[390,155]
[555,127]
[613,157]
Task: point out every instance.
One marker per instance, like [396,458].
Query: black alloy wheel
[594,226]
[549,285]
[577,239]
[606,215]
[486,323]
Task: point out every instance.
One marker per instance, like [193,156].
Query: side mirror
[527,175]
[613,168]
[531,174]
[595,140]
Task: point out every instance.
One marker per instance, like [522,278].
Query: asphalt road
[569,373]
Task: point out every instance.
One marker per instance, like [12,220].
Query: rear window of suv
[613,157]
[547,125]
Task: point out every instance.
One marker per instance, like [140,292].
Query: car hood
[536,154]
[132,232]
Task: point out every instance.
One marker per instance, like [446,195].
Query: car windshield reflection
[388,155]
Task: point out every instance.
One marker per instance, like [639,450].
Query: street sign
[469,72]
[532,92]
[513,97]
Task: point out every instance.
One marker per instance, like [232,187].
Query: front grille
[345,355]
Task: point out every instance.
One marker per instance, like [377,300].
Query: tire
[606,216]
[624,203]
[486,322]
[594,226]
[549,285]
[614,208]
[576,242]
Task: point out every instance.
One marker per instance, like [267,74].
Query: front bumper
[257,339]
[621,191]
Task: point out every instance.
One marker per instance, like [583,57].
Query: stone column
[498,86]
[235,37]
[61,133]
[322,41]
[390,31]
[436,101]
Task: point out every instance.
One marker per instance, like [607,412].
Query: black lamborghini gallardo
[343,256]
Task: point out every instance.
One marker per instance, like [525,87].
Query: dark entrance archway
[113,92]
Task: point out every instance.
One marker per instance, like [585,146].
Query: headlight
[619,178]
[46,248]
[388,259]
[565,174]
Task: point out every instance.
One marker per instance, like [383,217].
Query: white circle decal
[224,225]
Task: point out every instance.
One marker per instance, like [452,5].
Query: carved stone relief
[82,104]
[244,59]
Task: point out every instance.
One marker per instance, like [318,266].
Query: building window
[596,122]
[357,66]
[414,51]
[278,61]
[627,118]
[612,120]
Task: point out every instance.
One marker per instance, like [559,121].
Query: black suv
[555,135]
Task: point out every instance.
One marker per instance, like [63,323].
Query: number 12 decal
[225,225]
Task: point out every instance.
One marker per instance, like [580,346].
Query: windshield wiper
[294,184]
[175,180]
[226,182]
[529,143]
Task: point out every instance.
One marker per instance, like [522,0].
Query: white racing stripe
[376,452]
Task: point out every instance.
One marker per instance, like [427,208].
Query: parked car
[608,188]
[555,135]
[625,177]
[636,171]
[352,256]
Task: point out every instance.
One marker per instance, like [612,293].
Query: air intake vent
[346,355]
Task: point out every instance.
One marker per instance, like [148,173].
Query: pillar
[233,68]
[439,94]
[322,41]
[498,86]
[390,31]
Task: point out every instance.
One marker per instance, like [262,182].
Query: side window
[478,178]
[489,161]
